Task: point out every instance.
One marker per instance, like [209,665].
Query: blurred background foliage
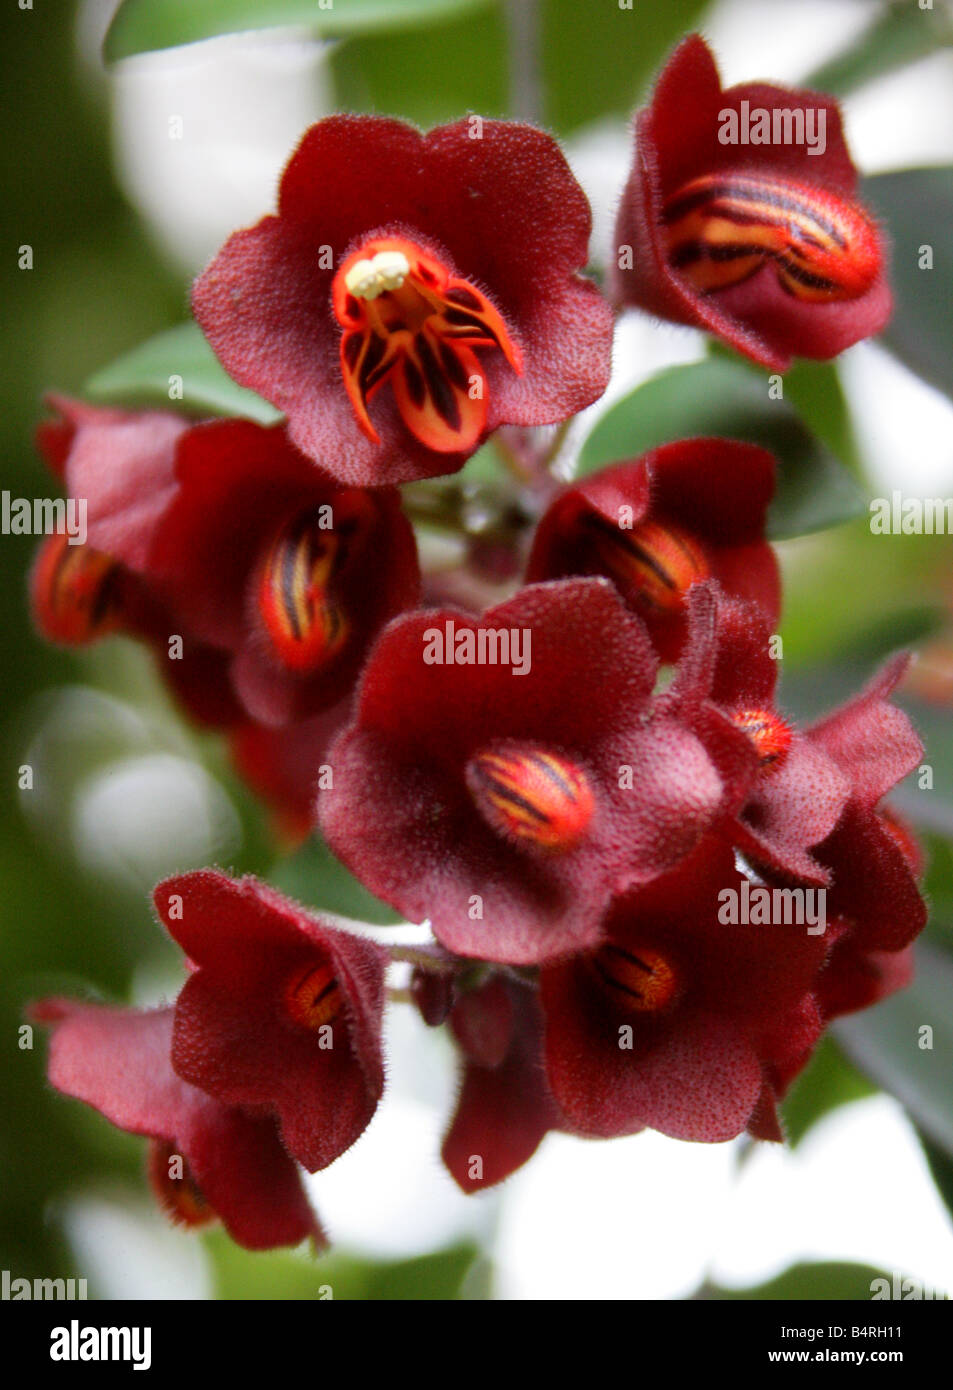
[98,292]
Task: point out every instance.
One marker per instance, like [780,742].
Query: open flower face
[673,1021]
[413,293]
[730,224]
[508,799]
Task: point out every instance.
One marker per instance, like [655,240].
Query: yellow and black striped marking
[639,979]
[406,319]
[721,228]
[652,564]
[768,732]
[75,592]
[531,796]
[313,996]
[305,623]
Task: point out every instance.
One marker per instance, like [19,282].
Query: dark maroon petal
[873,883]
[118,1061]
[235,1035]
[503,211]
[504,1111]
[249,1180]
[871,740]
[677,140]
[715,490]
[400,813]
[482,1021]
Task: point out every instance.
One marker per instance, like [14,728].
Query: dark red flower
[872,858]
[505,1107]
[505,776]
[656,525]
[763,244]
[248,549]
[678,1020]
[232,1164]
[789,793]
[264,555]
[282,1013]
[81,593]
[413,293]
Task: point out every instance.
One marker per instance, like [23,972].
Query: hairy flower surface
[231,1164]
[282,1013]
[239,543]
[684,513]
[763,244]
[504,1108]
[674,1022]
[508,808]
[412,293]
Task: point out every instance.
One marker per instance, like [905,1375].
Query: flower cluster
[649,889]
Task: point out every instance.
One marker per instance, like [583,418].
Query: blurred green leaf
[828,1081]
[917,207]
[829,618]
[885,1043]
[900,34]
[141,26]
[723,398]
[815,391]
[599,61]
[463,60]
[141,378]
[241,1274]
[314,877]
[808,1282]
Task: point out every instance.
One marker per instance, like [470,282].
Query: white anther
[366,279]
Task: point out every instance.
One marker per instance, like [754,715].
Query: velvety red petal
[503,1111]
[506,212]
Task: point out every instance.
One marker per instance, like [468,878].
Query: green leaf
[463,57]
[140,26]
[600,63]
[829,1080]
[807,1282]
[724,398]
[885,1043]
[916,206]
[315,878]
[141,378]
[900,34]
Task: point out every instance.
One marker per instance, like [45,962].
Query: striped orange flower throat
[313,996]
[638,979]
[300,581]
[722,228]
[408,321]
[533,797]
[653,565]
[75,592]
